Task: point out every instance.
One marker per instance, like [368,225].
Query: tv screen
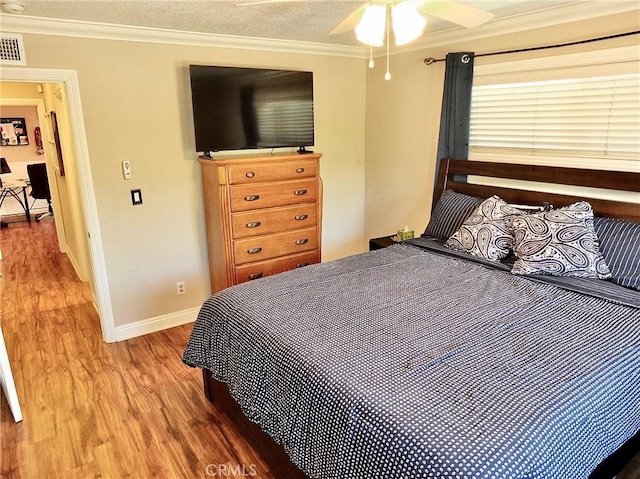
[246,108]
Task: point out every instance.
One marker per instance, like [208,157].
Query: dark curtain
[453,141]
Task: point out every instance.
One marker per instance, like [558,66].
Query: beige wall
[75,237]
[137,107]
[403,115]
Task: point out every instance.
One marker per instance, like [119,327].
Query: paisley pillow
[560,242]
[486,232]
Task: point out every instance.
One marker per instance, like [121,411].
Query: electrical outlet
[180,288]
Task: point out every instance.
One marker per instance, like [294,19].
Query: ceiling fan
[371,21]
[449,10]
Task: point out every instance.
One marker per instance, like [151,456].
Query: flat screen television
[247,108]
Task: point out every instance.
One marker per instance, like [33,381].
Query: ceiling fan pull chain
[387,76]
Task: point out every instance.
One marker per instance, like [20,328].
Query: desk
[12,188]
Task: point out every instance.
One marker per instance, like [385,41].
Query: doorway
[86,207]
[22,99]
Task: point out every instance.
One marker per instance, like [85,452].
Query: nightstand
[382,242]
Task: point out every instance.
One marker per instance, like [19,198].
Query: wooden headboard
[612,180]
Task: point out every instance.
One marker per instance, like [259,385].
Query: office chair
[40,186]
[4,168]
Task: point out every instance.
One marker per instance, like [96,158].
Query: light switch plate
[126,170]
[136,197]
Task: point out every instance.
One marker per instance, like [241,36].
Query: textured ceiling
[298,20]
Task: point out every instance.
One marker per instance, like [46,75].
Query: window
[586,121]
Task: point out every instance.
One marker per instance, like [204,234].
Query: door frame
[85,181]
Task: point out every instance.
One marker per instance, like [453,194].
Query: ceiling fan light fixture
[370,29]
[12,6]
[408,24]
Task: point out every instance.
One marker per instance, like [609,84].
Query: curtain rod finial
[429,60]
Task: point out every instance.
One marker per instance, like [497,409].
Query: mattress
[405,363]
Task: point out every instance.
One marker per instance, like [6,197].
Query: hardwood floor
[129,409]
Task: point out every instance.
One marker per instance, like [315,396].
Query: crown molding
[106,31]
[551,16]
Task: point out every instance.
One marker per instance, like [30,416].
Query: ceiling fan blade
[349,23]
[454,12]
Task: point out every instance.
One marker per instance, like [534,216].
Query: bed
[423,360]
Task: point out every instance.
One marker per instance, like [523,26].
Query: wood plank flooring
[129,409]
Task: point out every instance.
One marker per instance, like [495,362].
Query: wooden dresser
[263,215]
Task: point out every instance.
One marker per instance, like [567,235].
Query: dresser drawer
[268,195]
[266,247]
[261,269]
[239,174]
[273,220]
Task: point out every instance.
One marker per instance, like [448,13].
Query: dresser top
[239,159]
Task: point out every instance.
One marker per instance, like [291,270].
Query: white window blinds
[559,121]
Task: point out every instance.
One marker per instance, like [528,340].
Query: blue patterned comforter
[403,363]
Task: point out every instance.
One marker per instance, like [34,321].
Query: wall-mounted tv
[247,108]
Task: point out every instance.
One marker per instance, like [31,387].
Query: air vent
[11,49]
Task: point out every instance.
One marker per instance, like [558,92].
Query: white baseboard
[151,325]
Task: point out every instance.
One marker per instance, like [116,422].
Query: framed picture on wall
[13,132]
[56,140]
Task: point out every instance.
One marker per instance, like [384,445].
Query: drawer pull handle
[255,276]
[252,197]
[250,174]
[302,265]
[302,241]
[299,170]
[300,192]
[254,250]
[253,224]
[301,217]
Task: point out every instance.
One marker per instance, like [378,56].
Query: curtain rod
[431,60]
